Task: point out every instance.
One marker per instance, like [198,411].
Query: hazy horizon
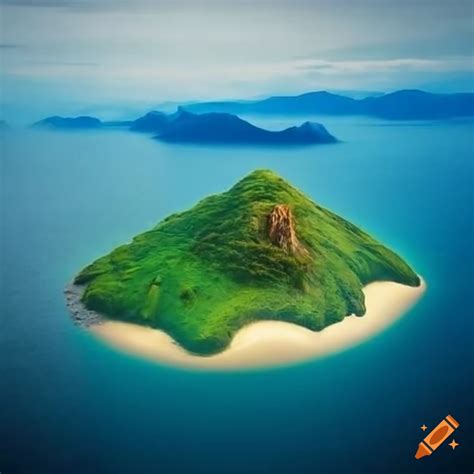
[115,58]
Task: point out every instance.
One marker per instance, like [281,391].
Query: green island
[261,250]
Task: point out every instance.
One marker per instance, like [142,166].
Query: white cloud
[112,51]
[260,72]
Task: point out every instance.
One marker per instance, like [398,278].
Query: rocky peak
[281,229]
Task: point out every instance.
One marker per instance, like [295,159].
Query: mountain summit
[262,250]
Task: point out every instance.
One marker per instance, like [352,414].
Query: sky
[116,56]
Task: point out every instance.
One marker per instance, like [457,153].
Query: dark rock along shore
[81,316]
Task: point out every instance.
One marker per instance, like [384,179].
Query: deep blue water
[71,405]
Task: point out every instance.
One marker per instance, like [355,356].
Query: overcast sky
[82,53]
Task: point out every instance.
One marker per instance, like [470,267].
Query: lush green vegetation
[202,274]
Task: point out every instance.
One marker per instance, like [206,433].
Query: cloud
[85,64]
[84,6]
[47,3]
[10,46]
[465,63]
[237,79]
[92,5]
[188,49]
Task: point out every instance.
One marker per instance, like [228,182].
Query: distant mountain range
[400,105]
[217,122]
[207,128]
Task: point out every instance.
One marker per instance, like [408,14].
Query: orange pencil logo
[437,437]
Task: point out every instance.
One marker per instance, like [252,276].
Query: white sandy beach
[269,343]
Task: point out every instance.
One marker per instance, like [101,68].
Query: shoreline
[260,344]
[81,316]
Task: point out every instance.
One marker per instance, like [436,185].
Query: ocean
[70,404]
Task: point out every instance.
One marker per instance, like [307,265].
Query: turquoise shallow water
[70,404]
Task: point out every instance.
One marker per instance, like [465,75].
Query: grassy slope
[202,274]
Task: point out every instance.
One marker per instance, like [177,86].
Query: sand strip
[268,343]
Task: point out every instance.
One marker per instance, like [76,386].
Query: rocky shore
[81,316]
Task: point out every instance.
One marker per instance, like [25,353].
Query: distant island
[263,250]
[399,105]
[69,123]
[186,127]
[218,122]
[207,128]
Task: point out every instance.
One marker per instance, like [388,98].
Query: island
[261,252]
[208,129]
[222,122]
[224,128]
[69,123]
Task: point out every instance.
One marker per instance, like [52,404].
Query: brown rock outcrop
[281,229]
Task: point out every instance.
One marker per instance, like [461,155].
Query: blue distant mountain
[69,123]
[151,122]
[415,104]
[309,103]
[209,128]
[401,105]
[79,123]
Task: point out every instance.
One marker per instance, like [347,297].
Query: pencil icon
[436,437]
